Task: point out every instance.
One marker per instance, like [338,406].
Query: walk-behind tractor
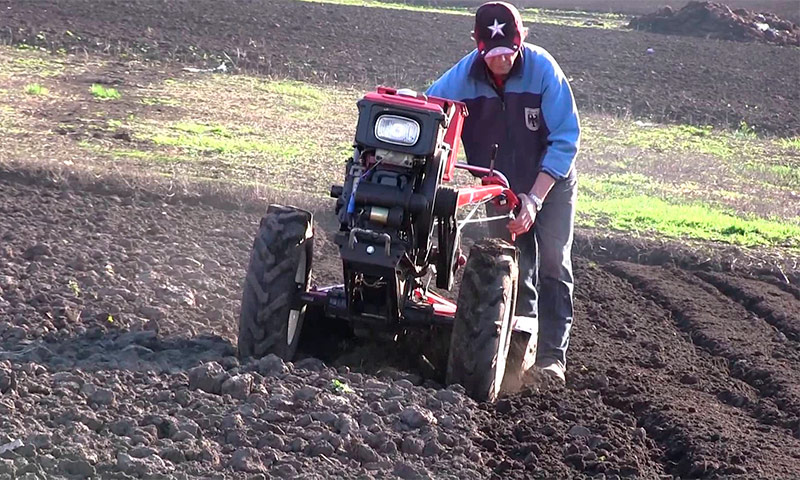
[400,222]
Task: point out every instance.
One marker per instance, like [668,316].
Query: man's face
[500,65]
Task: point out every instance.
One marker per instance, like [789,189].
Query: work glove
[526,216]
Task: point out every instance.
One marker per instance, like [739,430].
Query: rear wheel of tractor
[482,326]
[280,268]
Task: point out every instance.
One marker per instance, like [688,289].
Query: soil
[720,83]
[118,312]
[716,20]
[785,8]
[117,359]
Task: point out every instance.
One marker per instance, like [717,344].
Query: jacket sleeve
[561,117]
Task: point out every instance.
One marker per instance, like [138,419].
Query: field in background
[683,81]
[644,178]
[788,9]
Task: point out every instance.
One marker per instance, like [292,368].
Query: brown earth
[716,20]
[117,323]
[719,83]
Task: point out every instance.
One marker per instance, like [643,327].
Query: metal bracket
[387,240]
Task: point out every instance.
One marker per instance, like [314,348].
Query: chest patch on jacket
[532,118]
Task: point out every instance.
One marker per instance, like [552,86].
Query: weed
[293,89]
[36,89]
[340,387]
[745,131]
[299,98]
[76,289]
[102,93]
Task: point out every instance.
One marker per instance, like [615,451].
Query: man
[519,98]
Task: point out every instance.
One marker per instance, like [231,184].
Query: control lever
[492,158]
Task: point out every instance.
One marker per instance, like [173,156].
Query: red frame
[441,306]
[493,184]
[455,112]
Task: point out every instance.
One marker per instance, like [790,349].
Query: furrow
[777,307]
[726,330]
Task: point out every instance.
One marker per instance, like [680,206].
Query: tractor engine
[392,195]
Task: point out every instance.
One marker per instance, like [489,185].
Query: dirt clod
[717,20]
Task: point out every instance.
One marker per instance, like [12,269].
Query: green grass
[170,102]
[291,88]
[529,15]
[199,138]
[35,64]
[201,129]
[632,204]
[36,89]
[790,143]
[299,100]
[227,145]
[688,138]
[103,93]
[284,134]
[789,175]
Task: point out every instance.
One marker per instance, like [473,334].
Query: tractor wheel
[280,267]
[482,326]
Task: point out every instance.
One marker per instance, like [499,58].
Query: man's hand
[525,218]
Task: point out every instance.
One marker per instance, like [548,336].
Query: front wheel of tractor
[279,271]
[482,327]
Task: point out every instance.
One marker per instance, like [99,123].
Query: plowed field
[687,80]
[110,303]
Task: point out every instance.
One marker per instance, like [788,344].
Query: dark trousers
[544,293]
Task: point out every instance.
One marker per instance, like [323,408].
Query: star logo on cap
[497,28]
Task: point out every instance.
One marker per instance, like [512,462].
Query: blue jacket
[533,119]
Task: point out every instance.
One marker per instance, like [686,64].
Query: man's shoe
[554,370]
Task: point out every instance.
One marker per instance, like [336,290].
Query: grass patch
[571,18]
[201,129]
[788,175]
[299,100]
[285,134]
[169,102]
[104,93]
[631,204]
[790,143]
[32,63]
[295,89]
[726,160]
[688,138]
[142,157]
[194,137]
[36,89]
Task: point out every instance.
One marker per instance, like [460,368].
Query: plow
[400,218]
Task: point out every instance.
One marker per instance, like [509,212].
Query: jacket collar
[479,71]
